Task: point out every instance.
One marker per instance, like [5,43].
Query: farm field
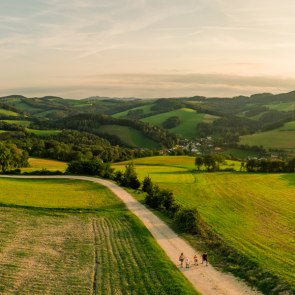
[253,212]
[277,139]
[105,250]
[129,136]
[189,119]
[39,164]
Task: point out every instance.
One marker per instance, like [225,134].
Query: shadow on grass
[290,178]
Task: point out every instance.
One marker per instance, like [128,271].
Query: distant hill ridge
[128,121]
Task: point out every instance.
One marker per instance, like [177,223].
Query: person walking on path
[181,259]
[187,263]
[195,260]
[205,258]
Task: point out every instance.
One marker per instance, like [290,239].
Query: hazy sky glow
[146,48]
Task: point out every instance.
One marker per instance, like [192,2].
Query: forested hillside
[158,123]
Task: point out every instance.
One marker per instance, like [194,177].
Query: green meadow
[39,164]
[254,213]
[189,119]
[146,109]
[43,132]
[283,106]
[129,136]
[281,138]
[8,113]
[22,123]
[93,246]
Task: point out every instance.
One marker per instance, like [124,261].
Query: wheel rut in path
[95,267]
[206,279]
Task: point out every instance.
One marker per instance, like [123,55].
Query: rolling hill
[243,120]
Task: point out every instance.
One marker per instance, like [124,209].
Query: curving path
[206,279]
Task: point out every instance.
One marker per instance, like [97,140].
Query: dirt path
[206,279]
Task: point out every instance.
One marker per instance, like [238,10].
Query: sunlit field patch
[103,250]
[252,212]
[39,164]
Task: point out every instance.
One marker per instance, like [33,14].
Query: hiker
[181,259]
[205,258]
[195,260]
[187,263]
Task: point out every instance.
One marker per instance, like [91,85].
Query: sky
[146,48]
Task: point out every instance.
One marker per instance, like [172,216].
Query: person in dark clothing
[205,258]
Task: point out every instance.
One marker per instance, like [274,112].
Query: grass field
[146,110]
[129,136]
[254,213]
[43,132]
[22,123]
[39,164]
[240,153]
[8,113]
[189,119]
[283,107]
[281,138]
[103,251]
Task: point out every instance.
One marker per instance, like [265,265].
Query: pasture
[280,138]
[282,106]
[129,136]
[254,213]
[8,113]
[23,123]
[39,164]
[43,132]
[92,246]
[189,119]
[146,109]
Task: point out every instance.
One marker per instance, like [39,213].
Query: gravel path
[206,279]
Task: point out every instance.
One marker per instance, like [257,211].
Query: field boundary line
[205,279]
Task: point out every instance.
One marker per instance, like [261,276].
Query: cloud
[164,85]
[55,44]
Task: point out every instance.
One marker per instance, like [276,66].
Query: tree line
[11,157]
[71,145]
[186,219]
[91,122]
[270,165]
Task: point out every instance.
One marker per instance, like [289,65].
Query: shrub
[147,185]
[129,178]
[187,220]
[90,167]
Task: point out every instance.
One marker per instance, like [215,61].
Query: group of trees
[91,122]
[90,167]
[270,166]
[210,161]
[97,167]
[171,122]
[128,178]
[70,145]
[227,130]
[186,219]
[11,157]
